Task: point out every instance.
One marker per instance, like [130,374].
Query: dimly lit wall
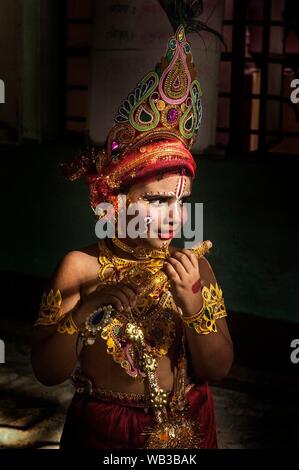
[129,40]
[10,63]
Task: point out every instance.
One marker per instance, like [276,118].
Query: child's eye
[158,201]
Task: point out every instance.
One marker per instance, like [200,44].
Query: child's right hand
[121,296]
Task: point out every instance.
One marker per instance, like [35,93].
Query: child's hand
[122,297]
[182,269]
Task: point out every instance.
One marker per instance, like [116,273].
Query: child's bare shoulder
[81,255]
[77,263]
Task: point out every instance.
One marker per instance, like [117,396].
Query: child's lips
[167,235]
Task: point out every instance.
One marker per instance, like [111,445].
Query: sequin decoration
[171,84]
[170,116]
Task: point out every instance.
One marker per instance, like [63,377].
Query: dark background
[247,155]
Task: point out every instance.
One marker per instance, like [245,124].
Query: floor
[254,410]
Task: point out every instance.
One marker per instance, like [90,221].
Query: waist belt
[84,385]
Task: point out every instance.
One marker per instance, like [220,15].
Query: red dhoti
[92,423]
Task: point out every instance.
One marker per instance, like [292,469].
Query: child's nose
[174,214]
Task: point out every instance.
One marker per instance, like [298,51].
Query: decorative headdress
[154,128]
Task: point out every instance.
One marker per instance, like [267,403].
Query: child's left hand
[182,269]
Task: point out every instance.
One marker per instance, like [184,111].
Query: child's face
[162,200]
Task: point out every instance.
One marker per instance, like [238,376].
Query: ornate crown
[165,103]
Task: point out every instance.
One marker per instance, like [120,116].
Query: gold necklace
[141,252]
[121,268]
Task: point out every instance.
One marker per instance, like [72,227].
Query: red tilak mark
[196,286]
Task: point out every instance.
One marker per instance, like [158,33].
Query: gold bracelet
[193,317]
[95,323]
[67,325]
[202,322]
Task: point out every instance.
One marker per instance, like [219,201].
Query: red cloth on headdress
[107,174]
[95,424]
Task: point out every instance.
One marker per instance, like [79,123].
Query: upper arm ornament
[50,310]
[213,308]
[50,313]
[214,301]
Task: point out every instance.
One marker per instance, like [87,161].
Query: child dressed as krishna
[139,325]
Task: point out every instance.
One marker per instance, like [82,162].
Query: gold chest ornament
[155,312]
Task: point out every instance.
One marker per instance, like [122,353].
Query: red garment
[95,424]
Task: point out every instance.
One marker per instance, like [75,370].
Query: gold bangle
[193,317]
[67,325]
[95,323]
[202,322]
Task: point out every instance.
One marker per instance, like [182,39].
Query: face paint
[157,193]
[163,201]
[180,187]
[196,286]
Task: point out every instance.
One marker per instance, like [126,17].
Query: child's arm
[53,354]
[211,354]
[54,351]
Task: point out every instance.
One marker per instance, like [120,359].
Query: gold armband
[50,310]
[67,325]
[50,313]
[204,321]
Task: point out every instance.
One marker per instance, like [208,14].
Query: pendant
[178,432]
